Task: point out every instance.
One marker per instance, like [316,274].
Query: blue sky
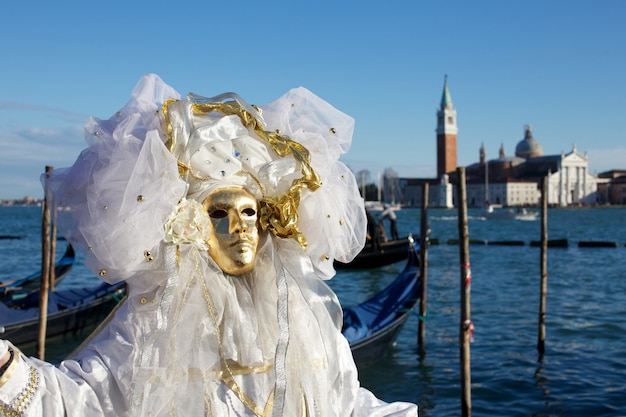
[558,65]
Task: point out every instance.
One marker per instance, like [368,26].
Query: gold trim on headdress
[277,214]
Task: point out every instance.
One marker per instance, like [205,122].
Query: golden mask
[234,234]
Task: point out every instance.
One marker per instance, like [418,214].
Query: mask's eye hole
[218,214]
[249,212]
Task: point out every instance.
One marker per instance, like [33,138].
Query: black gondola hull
[388,253]
[69,319]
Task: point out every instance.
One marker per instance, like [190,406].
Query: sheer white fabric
[191,340]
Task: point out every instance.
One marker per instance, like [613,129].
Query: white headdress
[126,184]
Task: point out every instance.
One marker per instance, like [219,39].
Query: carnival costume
[191,340]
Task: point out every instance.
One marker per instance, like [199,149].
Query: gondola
[387,253]
[69,311]
[372,326]
[32,282]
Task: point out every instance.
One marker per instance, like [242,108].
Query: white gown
[190,340]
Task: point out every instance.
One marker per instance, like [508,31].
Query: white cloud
[32,137]
[27,109]
[42,144]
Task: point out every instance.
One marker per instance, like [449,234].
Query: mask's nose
[236,223]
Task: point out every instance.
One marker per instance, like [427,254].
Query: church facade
[515,181]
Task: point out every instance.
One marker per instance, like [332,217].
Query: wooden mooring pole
[53,249]
[466,327]
[424,242]
[45,273]
[543,268]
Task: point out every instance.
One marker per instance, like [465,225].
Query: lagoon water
[583,371]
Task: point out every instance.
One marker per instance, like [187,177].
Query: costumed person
[224,220]
[389,213]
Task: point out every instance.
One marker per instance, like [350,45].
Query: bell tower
[446,134]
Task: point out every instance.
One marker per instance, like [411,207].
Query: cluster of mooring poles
[466,327]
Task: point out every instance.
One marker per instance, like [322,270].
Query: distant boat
[372,326]
[490,212]
[33,281]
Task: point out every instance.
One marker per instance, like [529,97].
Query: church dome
[528,147]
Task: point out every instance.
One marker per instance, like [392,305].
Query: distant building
[440,189]
[507,180]
[26,201]
[612,187]
[446,134]
[514,181]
